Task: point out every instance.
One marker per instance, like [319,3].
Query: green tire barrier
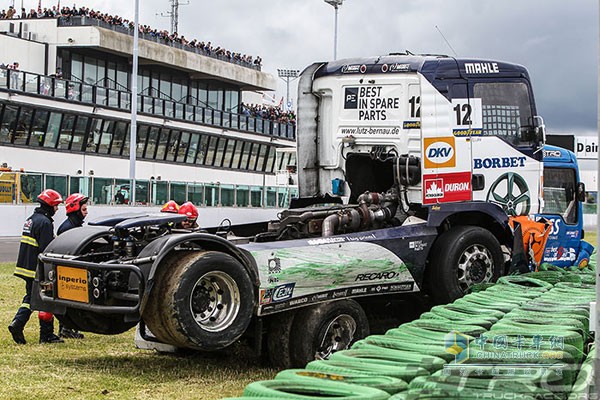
[539,325]
[436,349]
[497,298]
[419,334]
[381,382]
[463,394]
[373,354]
[584,384]
[404,372]
[520,313]
[471,320]
[448,326]
[524,281]
[521,291]
[469,310]
[571,285]
[453,314]
[484,305]
[553,277]
[491,385]
[551,308]
[543,377]
[557,335]
[297,389]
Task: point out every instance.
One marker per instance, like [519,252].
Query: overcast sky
[556,40]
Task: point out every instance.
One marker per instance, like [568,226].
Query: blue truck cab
[563,197]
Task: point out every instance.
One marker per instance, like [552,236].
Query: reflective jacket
[38,232]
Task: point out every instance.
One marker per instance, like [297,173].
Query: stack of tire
[584,385]
[416,360]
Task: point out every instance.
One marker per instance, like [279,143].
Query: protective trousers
[24,313]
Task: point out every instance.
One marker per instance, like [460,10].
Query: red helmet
[170,206]
[189,209]
[75,201]
[50,197]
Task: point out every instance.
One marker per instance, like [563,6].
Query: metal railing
[89,21]
[63,89]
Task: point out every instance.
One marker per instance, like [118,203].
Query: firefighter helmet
[50,197]
[189,209]
[170,206]
[74,202]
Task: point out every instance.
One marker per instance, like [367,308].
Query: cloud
[556,40]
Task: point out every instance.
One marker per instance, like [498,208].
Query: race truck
[563,197]
[408,168]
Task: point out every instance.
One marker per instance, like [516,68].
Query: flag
[280,101]
[39,6]
[58,5]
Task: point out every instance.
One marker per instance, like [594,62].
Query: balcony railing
[88,21]
[52,87]
[23,188]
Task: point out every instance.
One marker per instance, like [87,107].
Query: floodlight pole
[336,4]
[134,103]
[288,75]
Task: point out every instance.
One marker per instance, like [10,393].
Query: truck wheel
[278,340]
[207,302]
[319,331]
[460,258]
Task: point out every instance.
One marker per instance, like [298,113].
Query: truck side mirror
[581,191]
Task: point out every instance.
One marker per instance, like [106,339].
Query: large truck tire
[460,258]
[320,330]
[278,340]
[204,301]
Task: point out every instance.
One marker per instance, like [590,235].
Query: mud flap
[534,236]
[519,263]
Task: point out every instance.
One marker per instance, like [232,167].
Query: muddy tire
[460,258]
[320,330]
[205,301]
[278,340]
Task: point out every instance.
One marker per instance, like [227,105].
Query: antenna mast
[174,14]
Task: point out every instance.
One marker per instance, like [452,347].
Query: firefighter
[38,232]
[76,209]
[170,206]
[189,209]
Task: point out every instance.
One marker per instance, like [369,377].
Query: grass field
[110,367]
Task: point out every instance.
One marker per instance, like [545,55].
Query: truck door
[507,161]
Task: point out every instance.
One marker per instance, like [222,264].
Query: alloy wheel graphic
[510,191]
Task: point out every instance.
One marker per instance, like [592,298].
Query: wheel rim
[215,301]
[510,192]
[338,335]
[475,266]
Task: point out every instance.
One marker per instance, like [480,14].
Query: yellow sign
[72,284]
[6,191]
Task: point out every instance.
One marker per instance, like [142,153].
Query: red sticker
[446,188]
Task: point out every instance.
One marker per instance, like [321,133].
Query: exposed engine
[368,209]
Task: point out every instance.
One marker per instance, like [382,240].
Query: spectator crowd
[273,113]
[145,30]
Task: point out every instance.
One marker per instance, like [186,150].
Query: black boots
[16,330]
[47,329]
[51,338]
[69,333]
